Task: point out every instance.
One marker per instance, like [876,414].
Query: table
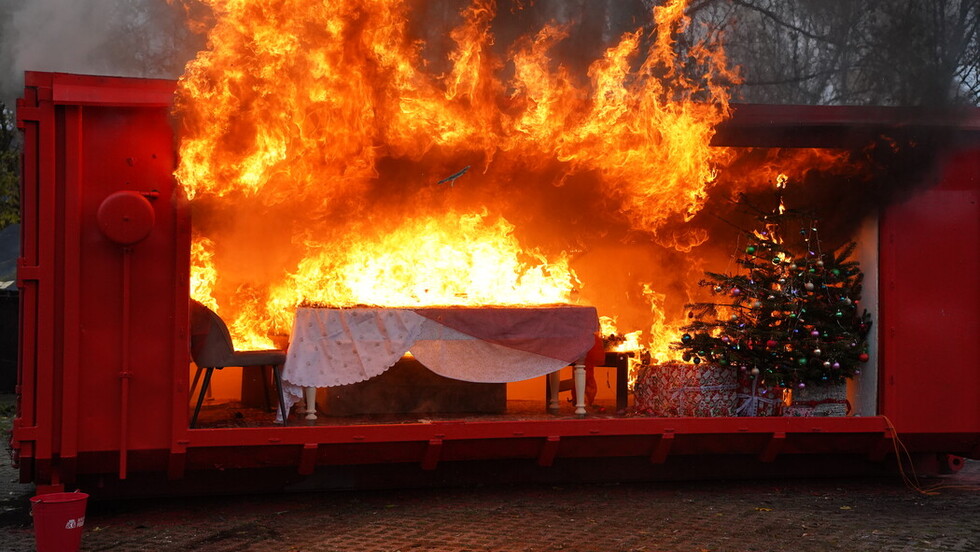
[340,346]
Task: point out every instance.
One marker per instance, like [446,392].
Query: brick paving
[799,515]
[879,514]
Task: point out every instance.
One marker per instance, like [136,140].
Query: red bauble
[771,343]
[863,357]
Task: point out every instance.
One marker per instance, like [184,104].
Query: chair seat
[258,358]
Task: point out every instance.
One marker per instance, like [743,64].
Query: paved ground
[876,514]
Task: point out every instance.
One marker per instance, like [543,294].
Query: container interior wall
[863,389]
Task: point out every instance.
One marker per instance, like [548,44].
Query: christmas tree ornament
[836,366]
[863,357]
[826,364]
[815,333]
[686,338]
[817,352]
[820,263]
[755,371]
[736,292]
[750,249]
[808,286]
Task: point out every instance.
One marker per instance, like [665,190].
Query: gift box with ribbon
[685,389]
[755,398]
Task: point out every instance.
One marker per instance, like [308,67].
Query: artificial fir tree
[791,316]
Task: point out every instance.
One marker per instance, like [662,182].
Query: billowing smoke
[134,38]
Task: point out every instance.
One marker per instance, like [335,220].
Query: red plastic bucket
[58,521]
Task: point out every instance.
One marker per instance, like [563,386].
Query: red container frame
[103,371]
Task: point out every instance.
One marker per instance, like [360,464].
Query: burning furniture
[212,349]
[105,327]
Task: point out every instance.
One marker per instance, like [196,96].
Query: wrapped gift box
[819,400]
[684,389]
[755,398]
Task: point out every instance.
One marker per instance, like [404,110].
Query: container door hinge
[25,433]
[27,273]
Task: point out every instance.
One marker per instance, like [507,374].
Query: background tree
[853,52]
[9,163]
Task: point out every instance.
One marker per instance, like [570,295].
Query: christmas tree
[790,316]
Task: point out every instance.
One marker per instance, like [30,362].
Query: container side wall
[930,303]
[84,141]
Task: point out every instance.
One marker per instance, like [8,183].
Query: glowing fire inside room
[351,153]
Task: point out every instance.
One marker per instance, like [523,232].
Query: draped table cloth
[340,346]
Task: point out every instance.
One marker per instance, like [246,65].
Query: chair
[212,349]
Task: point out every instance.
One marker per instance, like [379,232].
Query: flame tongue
[452,259]
[391,184]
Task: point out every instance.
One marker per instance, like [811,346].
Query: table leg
[579,376]
[622,383]
[554,382]
[309,395]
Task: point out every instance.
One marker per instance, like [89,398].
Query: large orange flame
[328,162]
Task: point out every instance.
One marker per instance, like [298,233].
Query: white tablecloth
[331,347]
